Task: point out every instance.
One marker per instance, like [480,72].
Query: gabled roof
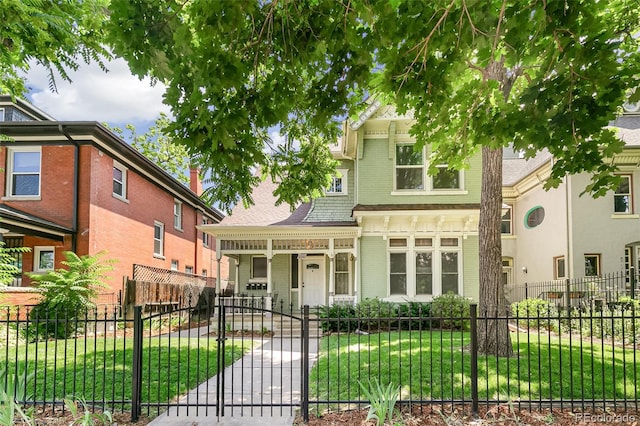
[25,107]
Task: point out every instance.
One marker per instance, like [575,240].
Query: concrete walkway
[268,374]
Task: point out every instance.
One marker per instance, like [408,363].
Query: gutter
[76,182]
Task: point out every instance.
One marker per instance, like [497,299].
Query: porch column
[332,277]
[218,258]
[356,268]
[236,287]
[269,283]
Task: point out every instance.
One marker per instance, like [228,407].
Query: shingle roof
[514,169]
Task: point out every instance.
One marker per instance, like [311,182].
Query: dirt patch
[503,415]
[47,416]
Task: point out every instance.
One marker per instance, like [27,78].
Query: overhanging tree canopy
[478,74]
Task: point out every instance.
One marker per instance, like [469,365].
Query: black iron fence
[278,360]
[579,292]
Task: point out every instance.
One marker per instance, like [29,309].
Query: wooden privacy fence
[158,289]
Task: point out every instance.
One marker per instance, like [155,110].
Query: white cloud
[114,97]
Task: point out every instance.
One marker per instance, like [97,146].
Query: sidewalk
[270,373]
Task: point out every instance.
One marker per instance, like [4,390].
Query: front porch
[290,265]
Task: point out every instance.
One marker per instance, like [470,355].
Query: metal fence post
[136,380]
[526,290]
[304,403]
[221,359]
[474,358]
[567,294]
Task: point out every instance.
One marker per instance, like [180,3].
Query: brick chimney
[195,184]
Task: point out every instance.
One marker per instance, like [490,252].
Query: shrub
[67,294]
[376,314]
[416,311]
[342,318]
[536,313]
[452,310]
[8,268]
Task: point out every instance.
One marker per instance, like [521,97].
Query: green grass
[437,366]
[102,370]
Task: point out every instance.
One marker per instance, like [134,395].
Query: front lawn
[100,369]
[436,366]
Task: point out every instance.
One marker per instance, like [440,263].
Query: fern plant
[382,401]
[68,293]
[8,267]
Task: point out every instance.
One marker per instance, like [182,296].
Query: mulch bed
[503,415]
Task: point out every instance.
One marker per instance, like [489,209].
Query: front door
[313,281]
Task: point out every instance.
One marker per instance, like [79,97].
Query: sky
[116,97]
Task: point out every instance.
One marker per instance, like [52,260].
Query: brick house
[76,186]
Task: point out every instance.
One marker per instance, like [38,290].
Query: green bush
[67,294]
[536,313]
[452,311]
[376,315]
[416,311]
[342,318]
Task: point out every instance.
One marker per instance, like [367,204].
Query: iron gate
[260,351]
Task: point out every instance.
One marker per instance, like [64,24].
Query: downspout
[76,182]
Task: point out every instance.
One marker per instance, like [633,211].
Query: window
[534,217]
[43,259]
[119,181]
[622,198]
[422,267]
[424,273]
[204,273]
[205,236]
[338,183]
[591,265]
[446,178]
[507,270]
[398,273]
[259,267]
[175,265]
[342,273]
[559,270]
[177,214]
[1,114]
[188,270]
[507,218]
[409,167]
[158,239]
[24,172]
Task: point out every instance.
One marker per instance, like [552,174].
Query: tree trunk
[493,333]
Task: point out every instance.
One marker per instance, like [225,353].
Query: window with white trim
[507,270]
[506,221]
[409,167]
[188,270]
[446,178]
[424,266]
[44,259]
[591,265]
[177,215]
[24,172]
[119,180]
[342,270]
[559,267]
[205,236]
[259,267]
[338,183]
[158,239]
[175,265]
[623,195]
